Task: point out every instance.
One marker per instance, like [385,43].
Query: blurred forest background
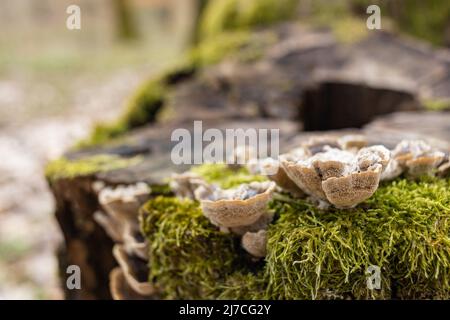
[56,84]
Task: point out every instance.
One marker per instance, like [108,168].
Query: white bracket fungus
[255,243]
[135,277]
[124,201]
[417,158]
[184,184]
[272,169]
[340,177]
[237,207]
[120,222]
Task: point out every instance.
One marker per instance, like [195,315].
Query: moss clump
[216,49]
[225,176]
[145,104]
[349,28]
[65,168]
[225,15]
[161,190]
[188,255]
[403,229]
[312,254]
[141,109]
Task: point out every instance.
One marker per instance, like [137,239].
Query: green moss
[437,105]
[215,49]
[185,249]
[161,190]
[65,168]
[102,133]
[349,28]
[225,15]
[312,254]
[145,103]
[423,19]
[141,109]
[224,176]
[427,20]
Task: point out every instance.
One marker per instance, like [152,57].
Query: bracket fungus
[241,206]
[337,176]
[220,212]
[317,144]
[134,271]
[133,241]
[255,243]
[349,142]
[184,184]
[352,142]
[120,221]
[272,169]
[124,201]
[125,232]
[120,289]
[417,158]
[121,205]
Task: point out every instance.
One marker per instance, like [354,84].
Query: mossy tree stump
[72,183]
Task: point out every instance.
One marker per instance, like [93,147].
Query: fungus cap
[338,176]
[124,201]
[111,225]
[417,158]
[352,142]
[255,243]
[308,173]
[119,287]
[184,184]
[350,190]
[392,171]
[237,207]
[317,144]
[273,169]
[133,241]
[134,271]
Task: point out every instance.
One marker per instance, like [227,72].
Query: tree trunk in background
[126,27]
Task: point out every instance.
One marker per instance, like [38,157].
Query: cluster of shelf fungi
[327,170]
